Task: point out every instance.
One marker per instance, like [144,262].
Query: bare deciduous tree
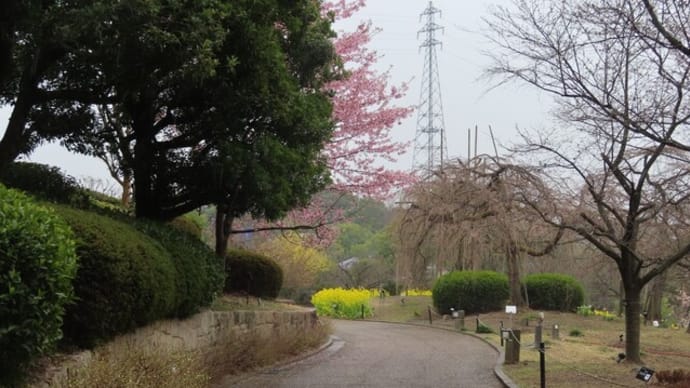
[111,141]
[469,214]
[621,154]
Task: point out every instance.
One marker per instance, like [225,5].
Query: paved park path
[374,354]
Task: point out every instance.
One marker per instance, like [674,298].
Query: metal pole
[469,145]
[542,365]
[476,134]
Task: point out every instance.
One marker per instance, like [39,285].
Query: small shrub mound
[37,264]
[42,181]
[576,333]
[252,273]
[125,279]
[585,310]
[550,291]
[483,329]
[342,303]
[391,287]
[472,291]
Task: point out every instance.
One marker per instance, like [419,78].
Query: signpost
[511,310]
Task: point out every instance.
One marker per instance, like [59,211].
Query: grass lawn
[392,309]
[588,360]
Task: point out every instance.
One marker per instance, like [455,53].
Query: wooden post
[537,335]
[512,354]
[554,332]
[429,310]
[460,322]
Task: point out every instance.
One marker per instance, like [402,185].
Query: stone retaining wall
[196,332]
[208,327]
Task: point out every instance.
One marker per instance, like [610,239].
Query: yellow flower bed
[343,303]
[417,292]
[607,316]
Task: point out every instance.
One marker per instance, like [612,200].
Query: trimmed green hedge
[472,291]
[37,265]
[43,181]
[199,271]
[125,279]
[552,291]
[252,273]
[131,272]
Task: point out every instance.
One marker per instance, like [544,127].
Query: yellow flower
[342,303]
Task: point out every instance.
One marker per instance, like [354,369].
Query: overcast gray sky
[467,100]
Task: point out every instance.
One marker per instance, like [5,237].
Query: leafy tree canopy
[198,86]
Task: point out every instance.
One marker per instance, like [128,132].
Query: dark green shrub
[37,265]
[252,273]
[303,296]
[188,224]
[551,291]
[472,291]
[125,279]
[483,329]
[200,274]
[391,288]
[42,181]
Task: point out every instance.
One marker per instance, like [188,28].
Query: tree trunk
[633,308]
[512,260]
[144,201]
[621,299]
[145,205]
[223,229]
[15,140]
[656,294]
[126,189]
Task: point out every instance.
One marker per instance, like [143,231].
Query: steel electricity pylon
[430,149]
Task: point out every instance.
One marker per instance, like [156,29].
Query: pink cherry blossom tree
[365,112]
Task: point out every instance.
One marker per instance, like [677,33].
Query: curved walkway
[374,354]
